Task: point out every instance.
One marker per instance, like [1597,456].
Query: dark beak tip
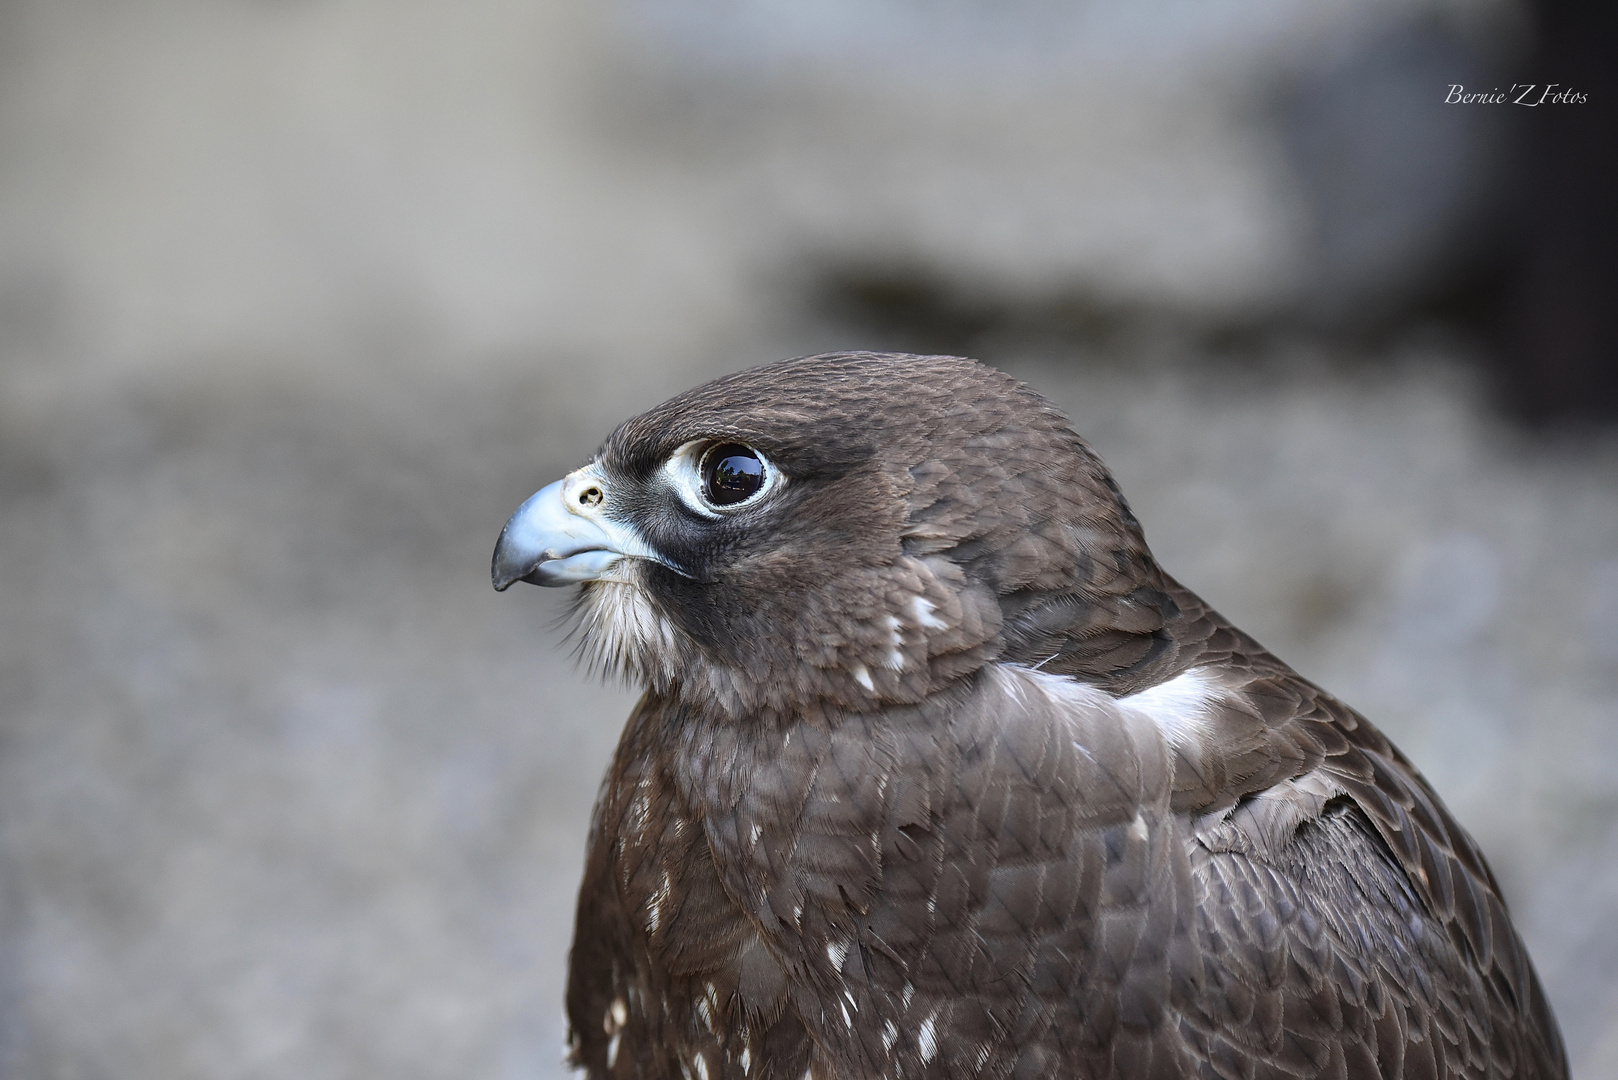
[504,577]
[503,574]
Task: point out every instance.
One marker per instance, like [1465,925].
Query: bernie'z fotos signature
[1519,94]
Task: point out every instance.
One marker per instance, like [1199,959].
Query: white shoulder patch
[1179,707]
[1017,680]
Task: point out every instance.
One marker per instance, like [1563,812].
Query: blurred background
[300,298]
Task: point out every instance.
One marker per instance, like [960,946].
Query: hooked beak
[561,535]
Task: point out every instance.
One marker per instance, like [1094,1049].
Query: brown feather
[897,803]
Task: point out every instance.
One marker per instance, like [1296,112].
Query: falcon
[937,773]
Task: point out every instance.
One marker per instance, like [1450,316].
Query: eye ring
[732,474]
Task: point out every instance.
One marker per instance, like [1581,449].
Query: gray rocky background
[300,298]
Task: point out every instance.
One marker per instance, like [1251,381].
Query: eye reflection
[731,473]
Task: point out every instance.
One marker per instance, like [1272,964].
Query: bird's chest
[668,882]
[739,852]
[708,972]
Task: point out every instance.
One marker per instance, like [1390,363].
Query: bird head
[852,529]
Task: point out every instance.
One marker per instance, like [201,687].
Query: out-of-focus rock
[1406,192]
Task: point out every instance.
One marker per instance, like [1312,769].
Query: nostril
[590,496]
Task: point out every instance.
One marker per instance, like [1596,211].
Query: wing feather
[1028,876]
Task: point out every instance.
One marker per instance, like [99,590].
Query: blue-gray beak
[562,535]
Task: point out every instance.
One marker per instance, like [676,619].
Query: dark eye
[731,473]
